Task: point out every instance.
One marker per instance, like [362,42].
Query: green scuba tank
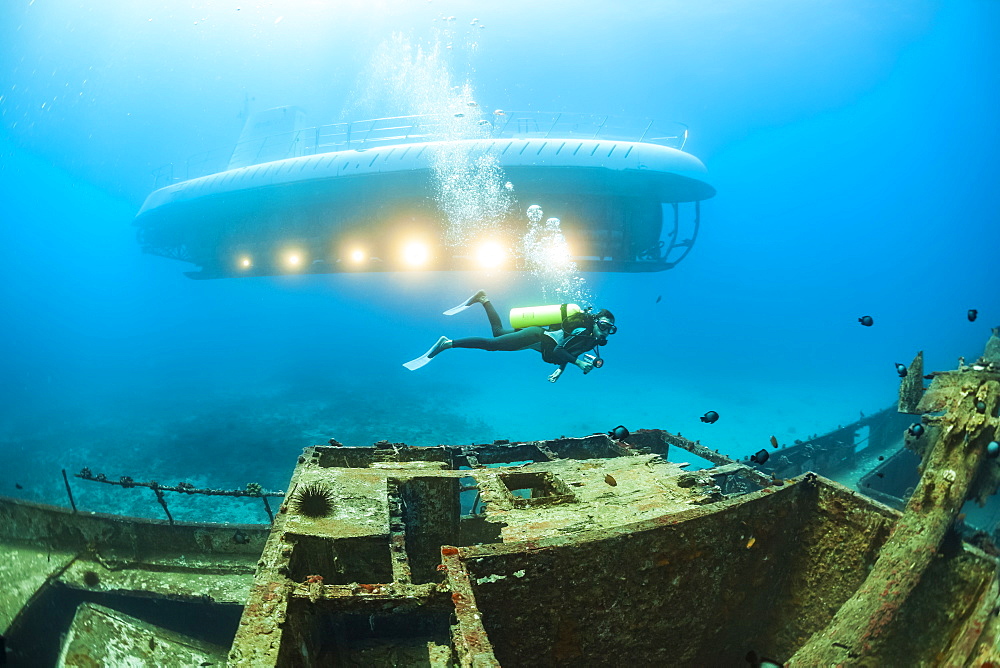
[542,316]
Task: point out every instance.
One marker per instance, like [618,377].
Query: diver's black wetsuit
[503,339]
[562,352]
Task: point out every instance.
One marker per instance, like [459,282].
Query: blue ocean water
[852,145]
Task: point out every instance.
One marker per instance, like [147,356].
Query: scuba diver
[563,334]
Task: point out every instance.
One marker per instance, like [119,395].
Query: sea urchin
[313,500]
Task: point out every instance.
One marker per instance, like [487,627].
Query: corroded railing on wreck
[644,441]
[252,490]
[819,453]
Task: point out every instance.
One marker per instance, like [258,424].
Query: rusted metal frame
[741,470]
[911,387]
[360,596]
[69,491]
[493,492]
[951,463]
[544,449]
[469,452]
[163,502]
[724,464]
[978,629]
[399,559]
[472,644]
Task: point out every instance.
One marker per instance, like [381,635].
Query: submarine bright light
[490,255]
[416,253]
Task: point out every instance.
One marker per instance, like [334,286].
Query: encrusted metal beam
[953,447]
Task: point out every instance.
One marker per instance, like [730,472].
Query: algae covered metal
[574,551]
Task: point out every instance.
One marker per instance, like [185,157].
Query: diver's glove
[554,376]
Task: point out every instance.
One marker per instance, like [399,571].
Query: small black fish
[760,457]
[710,417]
[658,298]
[18,486]
[901,370]
[916,430]
[880,457]
[972,314]
[880,474]
[619,433]
[866,320]
[240,538]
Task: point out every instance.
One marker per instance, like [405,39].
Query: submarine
[361,196]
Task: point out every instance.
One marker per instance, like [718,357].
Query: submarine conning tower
[359,196]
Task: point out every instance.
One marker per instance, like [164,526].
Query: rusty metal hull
[52,559]
[576,551]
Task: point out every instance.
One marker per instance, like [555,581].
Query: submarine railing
[391,130]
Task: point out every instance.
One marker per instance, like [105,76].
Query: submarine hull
[618,212]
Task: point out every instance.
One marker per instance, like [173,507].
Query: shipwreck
[593,550]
